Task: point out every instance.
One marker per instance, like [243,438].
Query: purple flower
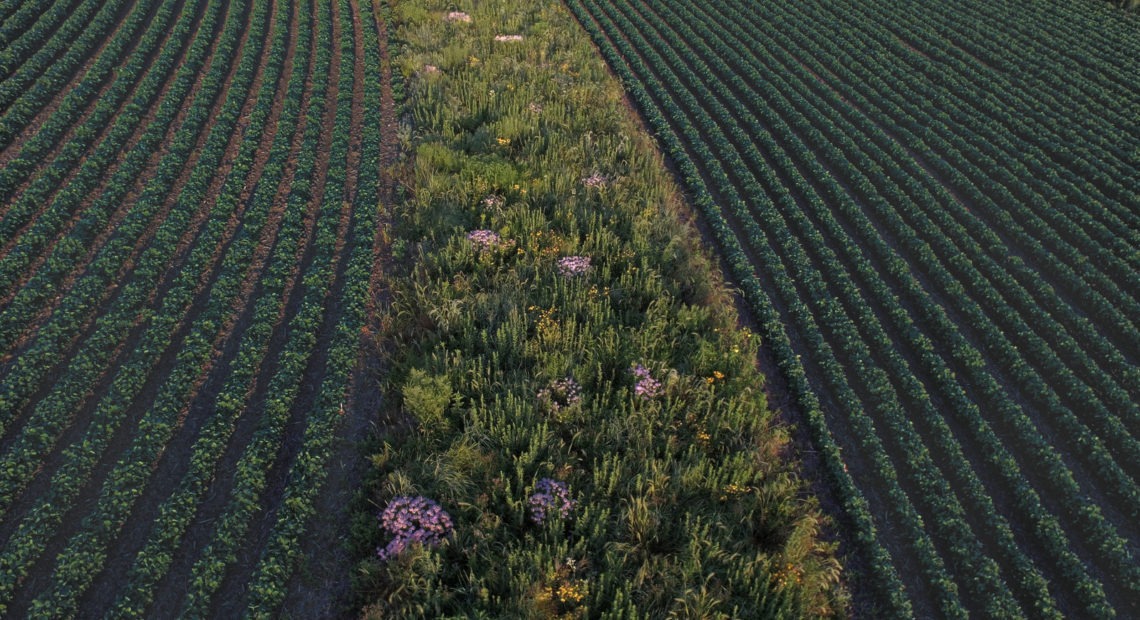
[647,387]
[550,497]
[560,393]
[484,240]
[570,266]
[413,520]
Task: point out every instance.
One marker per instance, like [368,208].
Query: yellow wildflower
[572,592]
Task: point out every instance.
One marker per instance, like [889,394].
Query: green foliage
[893,208]
[426,399]
[511,370]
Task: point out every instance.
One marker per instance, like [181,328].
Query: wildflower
[494,201]
[596,179]
[550,496]
[431,69]
[571,592]
[484,240]
[733,491]
[560,394]
[413,520]
[570,266]
[503,141]
[646,387]
[458,16]
[787,574]
[534,107]
[508,37]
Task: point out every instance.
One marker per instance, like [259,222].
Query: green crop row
[937,369]
[736,88]
[177,512]
[73,103]
[86,550]
[309,470]
[313,285]
[37,290]
[42,73]
[52,414]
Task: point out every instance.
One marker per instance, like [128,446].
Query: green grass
[687,502]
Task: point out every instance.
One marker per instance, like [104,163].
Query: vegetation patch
[575,425]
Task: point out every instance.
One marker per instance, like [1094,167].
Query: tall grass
[554,326]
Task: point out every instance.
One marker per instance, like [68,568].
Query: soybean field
[189,196]
[933,212]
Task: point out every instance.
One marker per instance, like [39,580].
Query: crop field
[933,211]
[294,326]
[188,215]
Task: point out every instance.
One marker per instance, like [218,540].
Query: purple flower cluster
[646,387]
[560,393]
[484,240]
[550,496]
[570,266]
[411,520]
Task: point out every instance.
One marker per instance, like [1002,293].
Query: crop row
[911,389]
[87,549]
[177,511]
[1110,404]
[312,286]
[28,299]
[56,411]
[307,474]
[869,235]
[74,101]
[942,329]
[736,150]
[42,73]
[976,166]
[73,311]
